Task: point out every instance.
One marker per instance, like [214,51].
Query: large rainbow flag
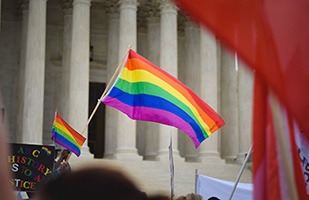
[143,91]
[66,136]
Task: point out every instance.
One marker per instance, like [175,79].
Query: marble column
[168,62]
[245,94]
[126,130]
[79,70]
[66,60]
[142,49]
[181,54]
[229,106]
[208,150]
[0,16]
[21,75]
[151,132]
[34,73]
[192,76]
[112,63]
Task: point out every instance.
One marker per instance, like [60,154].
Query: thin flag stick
[240,172]
[195,185]
[171,166]
[107,87]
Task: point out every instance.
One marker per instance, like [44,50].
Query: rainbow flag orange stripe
[143,91]
[46,150]
[66,136]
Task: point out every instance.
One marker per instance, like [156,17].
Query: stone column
[208,150]
[229,106]
[0,16]
[192,76]
[151,133]
[34,73]
[79,70]
[66,59]
[142,49]
[245,92]
[21,75]
[126,131]
[168,62]
[112,63]
[181,54]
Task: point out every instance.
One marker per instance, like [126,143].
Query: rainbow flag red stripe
[66,136]
[143,91]
[46,150]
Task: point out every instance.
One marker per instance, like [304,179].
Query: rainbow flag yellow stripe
[66,136]
[143,91]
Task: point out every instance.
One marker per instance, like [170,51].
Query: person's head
[92,183]
[190,196]
[213,198]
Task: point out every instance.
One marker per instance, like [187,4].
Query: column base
[230,159]
[85,152]
[191,159]
[164,156]
[213,160]
[241,158]
[150,157]
[109,156]
[210,157]
[127,154]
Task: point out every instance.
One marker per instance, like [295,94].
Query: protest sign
[31,165]
[211,187]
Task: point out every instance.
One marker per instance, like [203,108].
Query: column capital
[38,0]
[181,19]
[153,20]
[190,24]
[128,4]
[112,9]
[67,6]
[168,6]
[22,6]
[142,15]
[82,2]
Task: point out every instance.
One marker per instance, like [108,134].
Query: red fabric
[266,156]
[298,172]
[265,166]
[271,36]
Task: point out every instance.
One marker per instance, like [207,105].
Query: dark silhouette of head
[213,198]
[93,183]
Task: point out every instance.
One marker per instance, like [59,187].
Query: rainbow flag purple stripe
[66,136]
[143,91]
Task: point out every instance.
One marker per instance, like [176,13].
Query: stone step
[154,176]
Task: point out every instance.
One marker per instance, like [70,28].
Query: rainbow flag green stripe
[146,92]
[135,88]
[46,150]
[67,137]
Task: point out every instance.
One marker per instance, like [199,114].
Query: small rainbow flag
[46,150]
[143,91]
[66,136]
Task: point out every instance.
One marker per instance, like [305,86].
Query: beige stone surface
[154,176]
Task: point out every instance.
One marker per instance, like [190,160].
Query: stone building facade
[60,54]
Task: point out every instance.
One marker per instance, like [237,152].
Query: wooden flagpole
[240,172]
[283,146]
[106,89]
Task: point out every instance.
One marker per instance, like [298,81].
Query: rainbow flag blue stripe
[143,91]
[66,136]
